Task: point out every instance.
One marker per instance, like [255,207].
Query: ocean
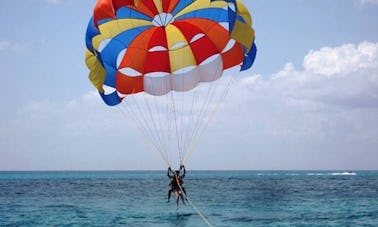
[224,198]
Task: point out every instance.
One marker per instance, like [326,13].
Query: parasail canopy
[162,47]
[156,46]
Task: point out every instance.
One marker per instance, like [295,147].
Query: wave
[349,173]
[345,173]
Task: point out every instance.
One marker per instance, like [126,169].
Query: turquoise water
[235,198]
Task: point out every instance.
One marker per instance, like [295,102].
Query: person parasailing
[176,184]
[167,65]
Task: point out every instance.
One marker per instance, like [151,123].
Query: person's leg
[183,189]
[182,197]
[177,199]
[169,194]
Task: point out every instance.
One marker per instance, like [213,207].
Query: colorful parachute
[160,47]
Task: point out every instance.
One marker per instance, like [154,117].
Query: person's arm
[182,167]
[169,171]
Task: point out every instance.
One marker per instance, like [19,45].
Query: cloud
[10,45]
[342,60]
[345,76]
[334,95]
[54,1]
[315,117]
[365,2]
[79,117]
[77,134]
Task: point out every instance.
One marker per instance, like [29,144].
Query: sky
[309,102]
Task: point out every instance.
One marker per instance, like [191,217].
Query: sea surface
[224,198]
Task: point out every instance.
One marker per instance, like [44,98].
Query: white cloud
[79,134]
[346,76]
[79,117]
[325,110]
[9,45]
[342,60]
[351,73]
[364,2]
[54,1]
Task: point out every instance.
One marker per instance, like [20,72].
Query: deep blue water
[235,198]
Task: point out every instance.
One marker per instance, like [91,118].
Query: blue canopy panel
[91,32]
[215,14]
[181,5]
[249,58]
[125,12]
[111,99]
